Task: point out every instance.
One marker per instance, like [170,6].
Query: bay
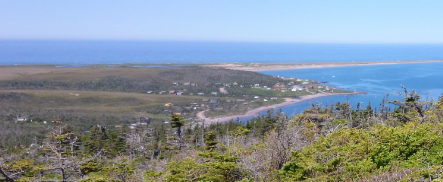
[376,80]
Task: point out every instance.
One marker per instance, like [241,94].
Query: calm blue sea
[377,80]
[86,52]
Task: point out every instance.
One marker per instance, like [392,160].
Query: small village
[215,98]
[218,101]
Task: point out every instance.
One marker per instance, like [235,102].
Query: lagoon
[376,80]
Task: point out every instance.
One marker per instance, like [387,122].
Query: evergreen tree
[98,140]
[177,122]
[210,141]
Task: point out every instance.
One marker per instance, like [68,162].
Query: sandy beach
[287,66]
[254,112]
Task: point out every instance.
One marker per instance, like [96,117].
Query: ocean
[114,52]
[376,80]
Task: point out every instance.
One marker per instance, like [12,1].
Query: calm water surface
[376,80]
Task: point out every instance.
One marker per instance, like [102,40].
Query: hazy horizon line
[218,41]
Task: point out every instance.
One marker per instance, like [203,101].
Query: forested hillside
[129,79]
[324,143]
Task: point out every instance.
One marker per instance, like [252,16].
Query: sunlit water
[376,80]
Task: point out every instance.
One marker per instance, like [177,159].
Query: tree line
[323,143]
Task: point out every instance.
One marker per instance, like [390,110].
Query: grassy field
[41,72]
[83,109]
[99,101]
[93,101]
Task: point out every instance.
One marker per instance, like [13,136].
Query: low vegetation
[334,143]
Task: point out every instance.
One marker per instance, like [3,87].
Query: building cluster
[181,91]
[300,85]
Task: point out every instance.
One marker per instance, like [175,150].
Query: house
[256,97]
[214,101]
[168,104]
[179,93]
[166,121]
[207,84]
[273,98]
[172,92]
[21,118]
[294,89]
[279,86]
[256,85]
[205,100]
[290,83]
[195,106]
[175,83]
[234,84]
[162,92]
[218,84]
[145,121]
[178,112]
[193,84]
[298,80]
[150,92]
[297,87]
[118,126]
[200,93]
[213,93]
[240,100]
[186,83]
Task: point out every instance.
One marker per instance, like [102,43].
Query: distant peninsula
[287,66]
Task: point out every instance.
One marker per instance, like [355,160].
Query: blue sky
[307,21]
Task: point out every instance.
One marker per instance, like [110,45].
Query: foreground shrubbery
[363,153]
[333,143]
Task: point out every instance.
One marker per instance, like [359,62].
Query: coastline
[289,66]
[255,67]
[254,112]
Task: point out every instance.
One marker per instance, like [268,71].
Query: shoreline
[254,112]
[289,66]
